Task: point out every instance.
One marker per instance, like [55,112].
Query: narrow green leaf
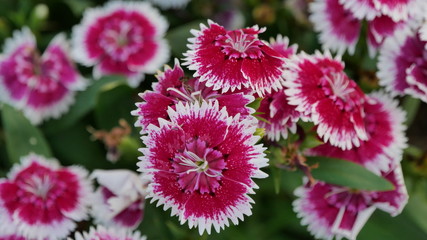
[85,102]
[410,105]
[255,103]
[346,173]
[310,141]
[21,136]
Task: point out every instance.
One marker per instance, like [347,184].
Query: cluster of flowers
[42,200]
[201,148]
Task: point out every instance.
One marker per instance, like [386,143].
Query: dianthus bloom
[12,237]
[42,200]
[167,4]
[339,27]
[122,38]
[174,87]
[102,233]
[119,201]
[402,64]
[230,60]
[201,164]
[42,86]
[278,115]
[384,122]
[320,89]
[335,211]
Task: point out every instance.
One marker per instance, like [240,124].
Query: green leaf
[410,105]
[255,103]
[85,102]
[310,141]
[21,136]
[346,173]
[113,103]
[177,37]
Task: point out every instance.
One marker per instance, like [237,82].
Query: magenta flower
[320,90]
[230,60]
[42,200]
[119,201]
[201,164]
[102,233]
[41,86]
[340,27]
[397,9]
[174,87]
[12,237]
[122,38]
[384,122]
[279,116]
[335,211]
[402,64]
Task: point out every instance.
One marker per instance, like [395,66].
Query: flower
[385,128]
[167,4]
[201,164]
[335,211]
[42,200]
[102,233]
[122,38]
[402,64]
[119,201]
[174,87]
[11,237]
[41,86]
[339,27]
[397,10]
[230,60]
[321,91]
[278,115]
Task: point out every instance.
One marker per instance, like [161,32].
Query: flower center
[238,44]
[38,185]
[338,87]
[352,200]
[199,168]
[192,91]
[121,38]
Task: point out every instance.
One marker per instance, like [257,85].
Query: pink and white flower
[119,201]
[398,10]
[320,90]
[383,150]
[230,60]
[102,233]
[340,27]
[41,86]
[201,164]
[174,87]
[279,116]
[12,237]
[402,64]
[42,200]
[122,38]
[335,211]
[167,4]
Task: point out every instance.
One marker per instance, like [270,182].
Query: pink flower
[340,27]
[383,150]
[320,90]
[41,86]
[397,9]
[12,237]
[102,233]
[174,87]
[201,164]
[335,211]
[122,38]
[42,200]
[119,201]
[279,116]
[402,64]
[228,60]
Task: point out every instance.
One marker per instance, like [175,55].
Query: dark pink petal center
[238,44]
[199,168]
[353,201]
